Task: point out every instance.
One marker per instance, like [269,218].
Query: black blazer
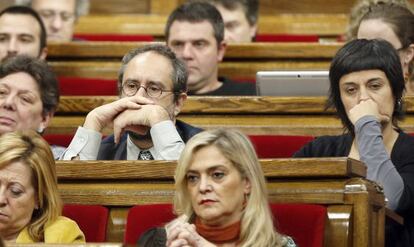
[111,151]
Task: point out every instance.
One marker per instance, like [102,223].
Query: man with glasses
[21,32]
[152,84]
[59,16]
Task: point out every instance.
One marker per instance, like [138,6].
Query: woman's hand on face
[367,108]
[186,235]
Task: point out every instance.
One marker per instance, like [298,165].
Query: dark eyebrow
[375,79]
[370,80]
[25,35]
[209,169]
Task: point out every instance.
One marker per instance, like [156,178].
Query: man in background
[59,16]
[240,19]
[21,32]
[152,84]
[195,32]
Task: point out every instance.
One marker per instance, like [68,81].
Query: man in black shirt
[195,32]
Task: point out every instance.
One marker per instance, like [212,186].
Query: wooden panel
[318,181]
[252,115]
[120,7]
[248,69]
[325,25]
[162,7]
[339,225]
[164,170]
[222,105]
[102,59]
[269,7]
[246,52]
[121,24]
[5,3]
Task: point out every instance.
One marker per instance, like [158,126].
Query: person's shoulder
[402,153]
[326,146]
[230,87]
[63,230]
[186,130]
[154,237]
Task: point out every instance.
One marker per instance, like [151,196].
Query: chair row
[267,146]
[305,223]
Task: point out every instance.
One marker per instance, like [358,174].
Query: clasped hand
[182,233]
[136,113]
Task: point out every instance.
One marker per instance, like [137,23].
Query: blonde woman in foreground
[221,197]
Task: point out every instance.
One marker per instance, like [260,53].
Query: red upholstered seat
[91,219]
[287,38]
[58,139]
[305,223]
[144,217]
[278,146]
[87,86]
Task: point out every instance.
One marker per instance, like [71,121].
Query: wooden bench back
[355,207]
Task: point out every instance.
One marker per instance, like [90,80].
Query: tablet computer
[292,83]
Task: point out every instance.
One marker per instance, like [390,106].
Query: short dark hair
[195,12]
[250,8]
[361,54]
[23,10]
[43,75]
[179,76]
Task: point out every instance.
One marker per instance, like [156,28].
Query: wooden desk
[355,206]
[252,115]
[102,59]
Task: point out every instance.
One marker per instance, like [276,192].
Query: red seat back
[144,217]
[305,223]
[58,139]
[287,38]
[87,86]
[91,219]
[278,146]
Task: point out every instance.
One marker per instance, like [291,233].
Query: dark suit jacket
[111,151]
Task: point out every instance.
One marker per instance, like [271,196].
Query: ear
[247,186]
[253,31]
[221,50]
[43,53]
[179,103]
[409,54]
[45,121]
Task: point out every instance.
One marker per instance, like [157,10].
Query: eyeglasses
[51,14]
[130,88]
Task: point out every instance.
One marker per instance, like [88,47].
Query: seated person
[30,205]
[59,17]
[29,95]
[393,23]
[195,32]
[366,88]
[240,19]
[152,84]
[21,32]
[221,197]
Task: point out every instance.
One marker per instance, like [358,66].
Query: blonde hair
[29,148]
[256,224]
